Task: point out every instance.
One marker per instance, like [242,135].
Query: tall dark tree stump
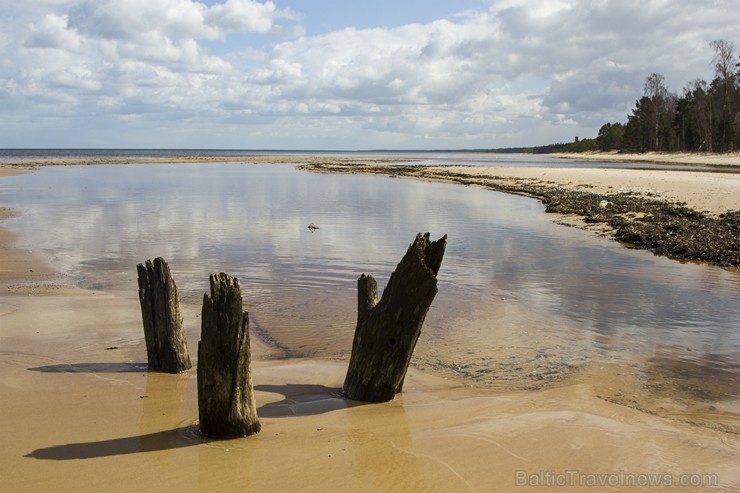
[166,348]
[387,331]
[226,403]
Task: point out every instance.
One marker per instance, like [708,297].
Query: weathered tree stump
[226,403]
[387,331]
[166,348]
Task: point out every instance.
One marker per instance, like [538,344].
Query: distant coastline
[46,157]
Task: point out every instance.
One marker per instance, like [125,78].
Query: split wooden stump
[166,348]
[226,402]
[387,330]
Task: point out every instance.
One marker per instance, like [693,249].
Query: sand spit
[247,159]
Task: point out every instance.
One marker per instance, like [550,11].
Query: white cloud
[247,15]
[53,33]
[151,21]
[517,73]
[140,21]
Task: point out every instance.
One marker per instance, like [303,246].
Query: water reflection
[98,222]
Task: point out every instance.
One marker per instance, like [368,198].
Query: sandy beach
[714,193]
[687,158]
[81,413]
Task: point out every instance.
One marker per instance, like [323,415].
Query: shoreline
[729,161]
[684,215]
[87,416]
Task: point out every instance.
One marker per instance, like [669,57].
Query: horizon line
[225,149]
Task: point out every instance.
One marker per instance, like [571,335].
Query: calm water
[430,158]
[517,293]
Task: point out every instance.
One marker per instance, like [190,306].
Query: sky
[340,75]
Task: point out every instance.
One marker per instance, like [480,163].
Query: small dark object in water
[313,227]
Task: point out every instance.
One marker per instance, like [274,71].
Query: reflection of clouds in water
[251,221]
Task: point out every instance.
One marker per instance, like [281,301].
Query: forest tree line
[704,118]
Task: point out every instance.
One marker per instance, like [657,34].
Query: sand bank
[80,413]
[715,193]
[727,159]
[245,158]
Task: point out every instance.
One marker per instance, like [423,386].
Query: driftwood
[166,348]
[226,403]
[387,330]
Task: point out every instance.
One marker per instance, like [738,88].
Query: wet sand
[81,413]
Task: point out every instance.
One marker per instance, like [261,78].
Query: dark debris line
[664,228]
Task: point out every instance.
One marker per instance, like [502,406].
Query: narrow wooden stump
[226,403]
[387,331]
[166,348]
